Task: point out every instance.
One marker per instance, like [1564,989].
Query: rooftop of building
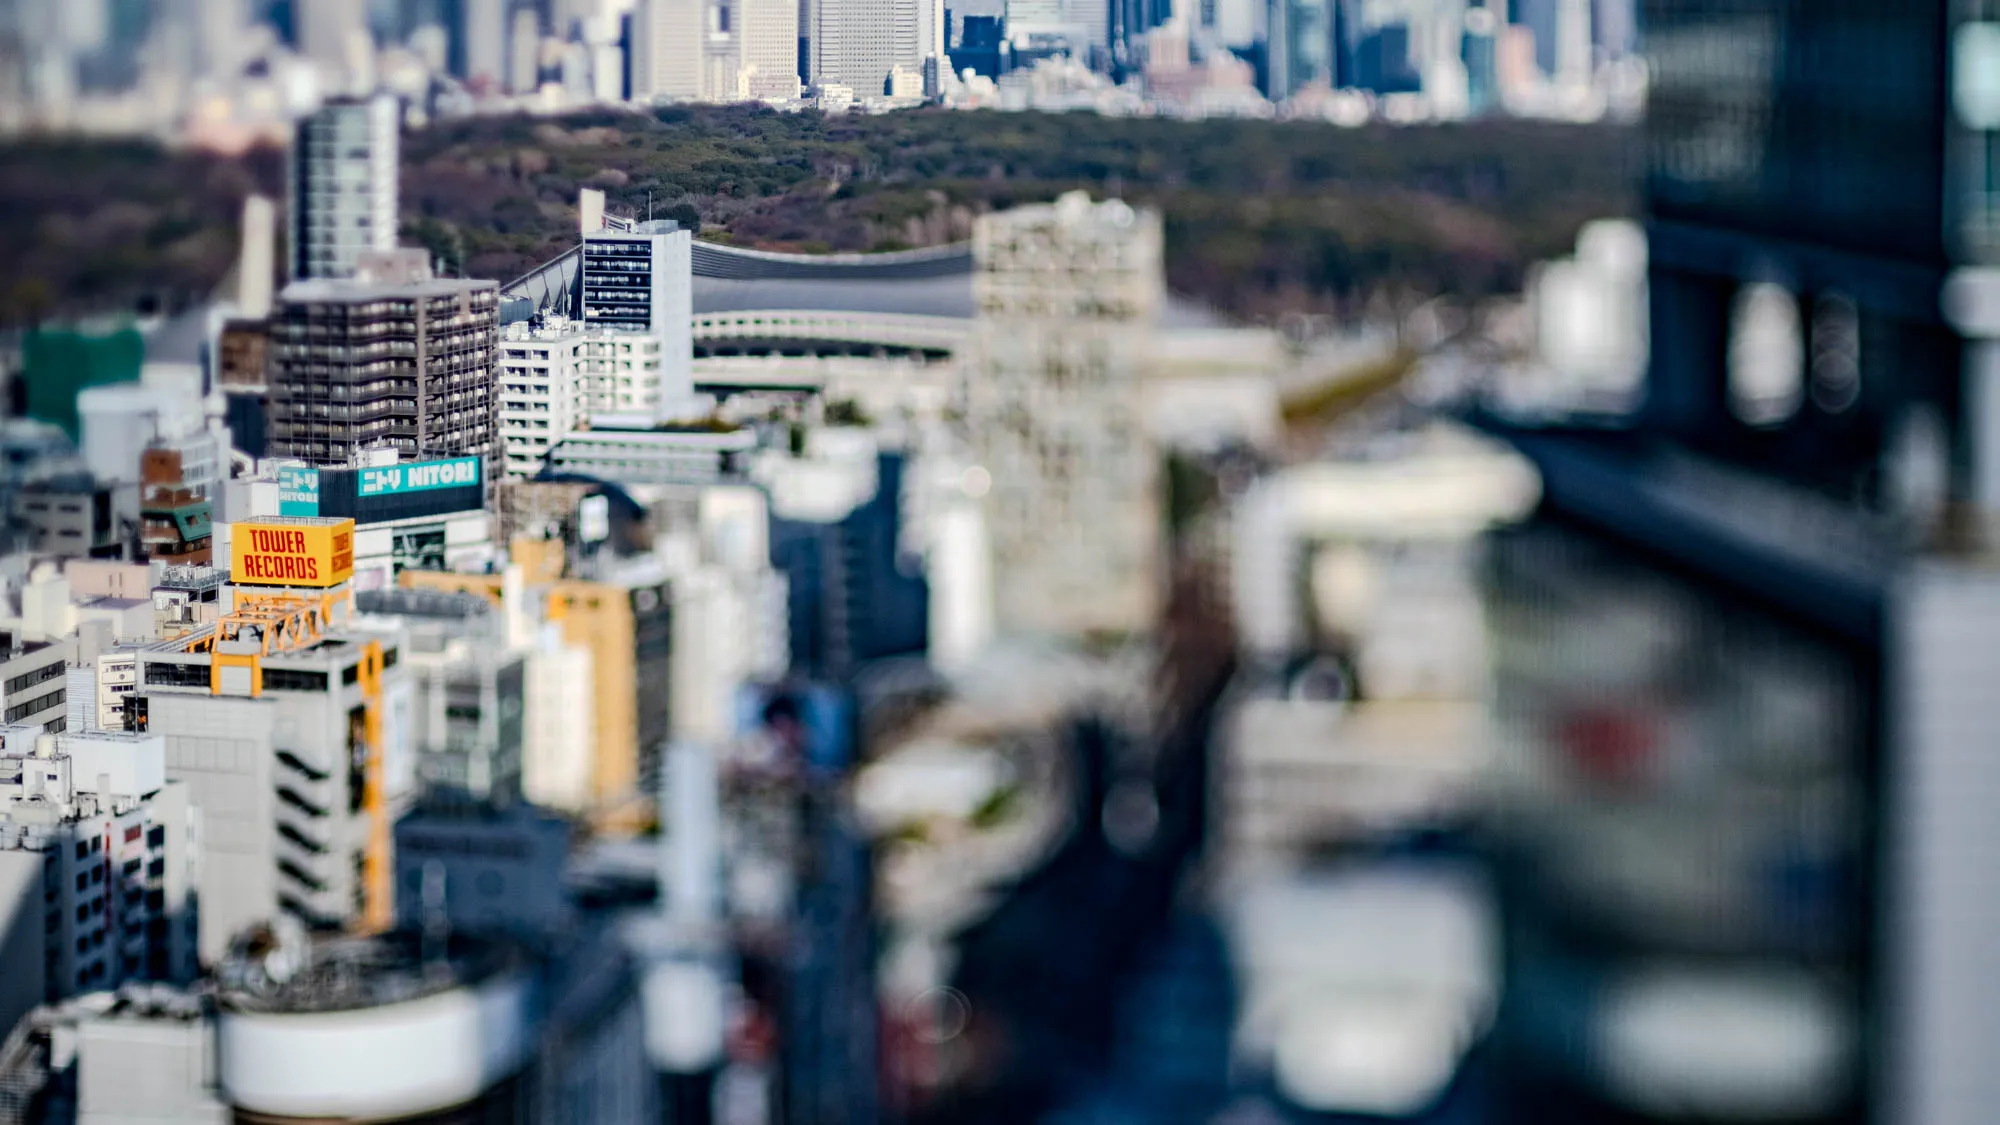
[643,228]
[340,973]
[330,290]
[300,521]
[405,602]
[190,576]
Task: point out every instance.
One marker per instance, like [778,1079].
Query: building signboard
[420,476]
[298,491]
[291,552]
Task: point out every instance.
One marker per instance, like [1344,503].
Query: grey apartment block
[401,364]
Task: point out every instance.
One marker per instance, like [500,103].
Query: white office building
[667,45]
[99,849]
[767,33]
[561,737]
[856,43]
[342,173]
[485,30]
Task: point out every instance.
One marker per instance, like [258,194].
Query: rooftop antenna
[649,205]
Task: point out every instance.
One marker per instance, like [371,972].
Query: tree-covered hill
[1262,217]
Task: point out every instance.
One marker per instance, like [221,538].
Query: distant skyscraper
[1236,22]
[667,49]
[1617,27]
[721,57]
[343,186]
[1573,42]
[1301,46]
[931,29]
[856,43]
[1482,60]
[219,26]
[524,52]
[1093,17]
[1026,17]
[1539,16]
[328,32]
[484,30]
[768,31]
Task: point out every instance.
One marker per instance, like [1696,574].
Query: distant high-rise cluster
[226,73]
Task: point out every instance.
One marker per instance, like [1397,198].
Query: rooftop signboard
[281,551]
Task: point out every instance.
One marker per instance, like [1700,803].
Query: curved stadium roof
[730,279]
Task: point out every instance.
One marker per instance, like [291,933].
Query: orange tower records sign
[291,552]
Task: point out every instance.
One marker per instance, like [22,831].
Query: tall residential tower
[343,186]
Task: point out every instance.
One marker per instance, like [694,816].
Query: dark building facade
[1737,662]
[849,598]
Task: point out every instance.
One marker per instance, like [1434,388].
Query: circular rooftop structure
[373,1028]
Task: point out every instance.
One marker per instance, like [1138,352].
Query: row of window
[40,703]
[40,675]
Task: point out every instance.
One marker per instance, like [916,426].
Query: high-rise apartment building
[342,186]
[667,39]
[392,358]
[1067,299]
[856,43]
[768,34]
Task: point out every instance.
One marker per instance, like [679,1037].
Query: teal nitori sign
[420,476]
[298,491]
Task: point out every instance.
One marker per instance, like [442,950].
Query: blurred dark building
[1302,46]
[1383,61]
[850,597]
[1739,678]
[243,354]
[1480,52]
[1540,17]
[982,47]
[1130,21]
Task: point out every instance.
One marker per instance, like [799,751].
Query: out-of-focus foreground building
[1742,660]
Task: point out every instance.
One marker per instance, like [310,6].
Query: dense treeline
[1262,217]
[94,226]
